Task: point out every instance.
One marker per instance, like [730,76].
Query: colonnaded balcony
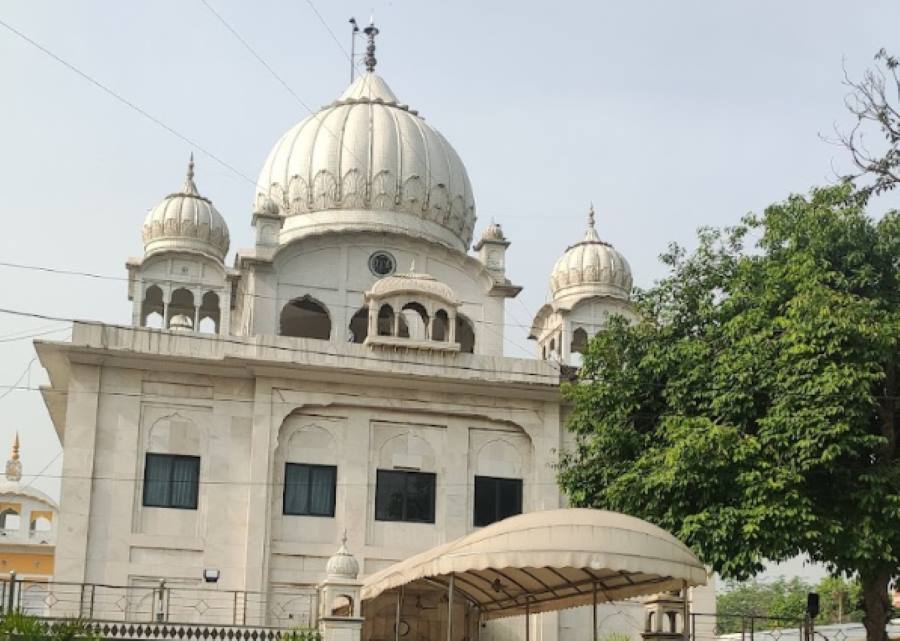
[160,610]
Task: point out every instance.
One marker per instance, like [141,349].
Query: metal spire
[189,186]
[591,234]
[371,31]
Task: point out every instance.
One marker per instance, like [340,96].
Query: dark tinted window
[404,496]
[171,480]
[496,499]
[309,489]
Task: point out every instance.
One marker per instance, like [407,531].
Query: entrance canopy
[551,560]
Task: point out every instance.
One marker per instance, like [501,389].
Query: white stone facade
[284,358]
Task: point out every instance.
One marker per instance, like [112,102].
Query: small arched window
[359,326]
[305,318]
[415,318]
[386,320]
[209,313]
[579,341]
[465,335]
[440,326]
[152,308]
[9,519]
[181,304]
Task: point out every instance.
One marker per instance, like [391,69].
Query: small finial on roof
[371,31]
[189,186]
[344,538]
[591,230]
[412,266]
[15,448]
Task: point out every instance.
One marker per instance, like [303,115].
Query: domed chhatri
[591,266]
[342,565]
[186,221]
[367,162]
[412,283]
[493,232]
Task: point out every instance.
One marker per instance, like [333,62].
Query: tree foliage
[782,603]
[753,410]
[874,100]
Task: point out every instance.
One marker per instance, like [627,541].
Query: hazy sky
[667,115]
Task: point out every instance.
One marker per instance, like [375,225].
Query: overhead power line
[248,295]
[249,342]
[193,143]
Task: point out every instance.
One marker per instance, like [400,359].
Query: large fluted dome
[592,267]
[186,221]
[368,162]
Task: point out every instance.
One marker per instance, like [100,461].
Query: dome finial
[371,31]
[190,187]
[591,234]
[14,465]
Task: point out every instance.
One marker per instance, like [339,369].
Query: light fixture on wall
[211,576]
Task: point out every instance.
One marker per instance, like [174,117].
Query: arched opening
[305,318]
[440,326]
[673,621]
[416,320]
[181,304]
[651,616]
[40,524]
[385,320]
[342,606]
[152,308]
[465,334]
[210,314]
[359,326]
[9,519]
[579,341]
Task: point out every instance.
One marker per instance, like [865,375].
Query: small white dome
[412,283]
[493,232]
[342,565]
[366,162]
[181,323]
[591,268]
[186,221]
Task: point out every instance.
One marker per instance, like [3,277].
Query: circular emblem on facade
[381,263]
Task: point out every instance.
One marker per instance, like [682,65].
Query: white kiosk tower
[339,598]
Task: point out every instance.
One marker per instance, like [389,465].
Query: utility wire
[327,28]
[254,341]
[193,143]
[246,295]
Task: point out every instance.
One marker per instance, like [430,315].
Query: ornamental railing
[161,602]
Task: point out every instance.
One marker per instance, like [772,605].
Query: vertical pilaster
[263,436]
[82,407]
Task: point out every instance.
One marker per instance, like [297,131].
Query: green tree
[781,600]
[839,600]
[753,410]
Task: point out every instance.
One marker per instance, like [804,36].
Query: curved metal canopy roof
[550,560]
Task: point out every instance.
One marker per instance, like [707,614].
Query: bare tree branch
[875,101]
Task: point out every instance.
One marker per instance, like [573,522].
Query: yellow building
[27,535]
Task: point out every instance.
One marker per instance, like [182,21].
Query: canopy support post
[527,620]
[685,615]
[594,612]
[397,615]
[450,609]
